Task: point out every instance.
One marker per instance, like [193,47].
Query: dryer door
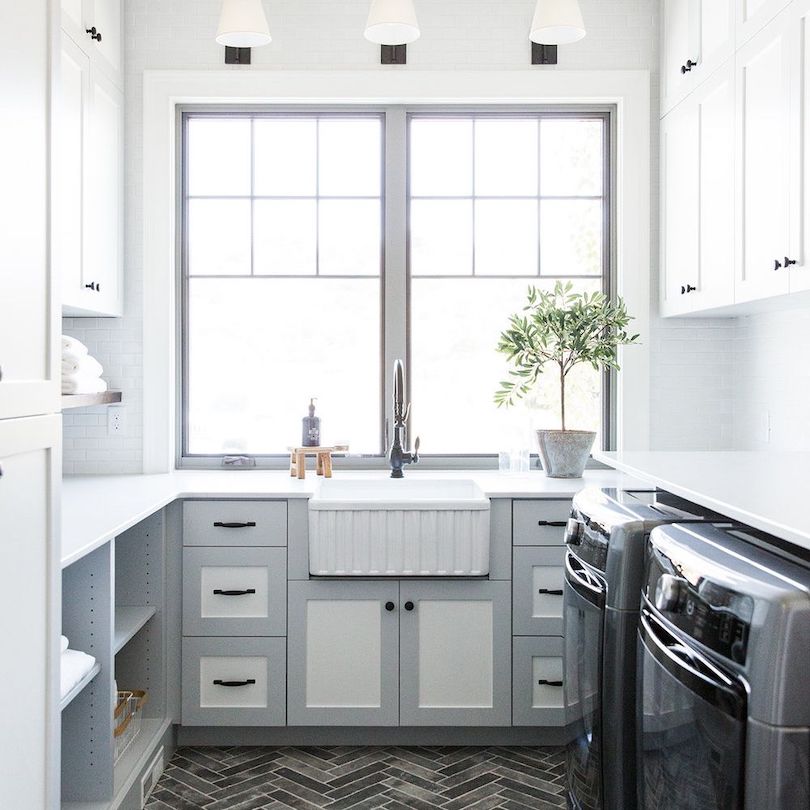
[692,746]
[584,595]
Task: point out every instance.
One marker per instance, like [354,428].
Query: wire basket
[127,719]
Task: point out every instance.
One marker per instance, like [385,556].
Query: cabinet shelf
[66,700]
[135,758]
[129,619]
[89,400]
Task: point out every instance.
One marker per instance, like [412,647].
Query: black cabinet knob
[96,35]
[91,286]
[389,606]
[776,264]
[409,606]
[687,289]
[687,68]
[789,262]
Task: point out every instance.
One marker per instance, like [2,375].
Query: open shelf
[89,400]
[136,757]
[79,686]
[129,619]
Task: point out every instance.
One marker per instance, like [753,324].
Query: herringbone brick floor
[362,778]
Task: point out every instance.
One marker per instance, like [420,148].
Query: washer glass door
[692,725]
[584,596]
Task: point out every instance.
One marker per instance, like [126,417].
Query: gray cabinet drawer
[234,591]
[537,682]
[540,522]
[235,523]
[234,681]
[537,590]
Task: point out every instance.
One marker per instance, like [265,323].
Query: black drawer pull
[220,592]
[220,525]
[248,682]
[549,591]
[558,524]
[544,682]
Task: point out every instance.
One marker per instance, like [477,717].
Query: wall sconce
[242,26]
[556,22]
[392,24]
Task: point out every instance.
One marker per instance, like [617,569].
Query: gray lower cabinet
[235,523]
[455,653]
[234,591]
[540,522]
[343,667]
[538,690]
[537,577]
[234,682]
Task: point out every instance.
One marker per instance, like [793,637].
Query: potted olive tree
[562,329]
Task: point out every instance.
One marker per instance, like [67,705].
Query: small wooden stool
[323,459]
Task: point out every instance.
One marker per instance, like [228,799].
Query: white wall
[321,34]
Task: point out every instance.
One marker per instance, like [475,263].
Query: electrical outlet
[116,421]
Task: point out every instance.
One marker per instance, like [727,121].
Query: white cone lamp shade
[242,24]
[557,22]
[392,22]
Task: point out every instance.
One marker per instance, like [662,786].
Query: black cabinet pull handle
[389,606]
[789,262]
[90,286]
[559,524]
[409,606]
[220,525]
[688,66]
[551,592]
[776,264]
[93,33]
[248,682]
[687,289]
[544,682]
[245,592]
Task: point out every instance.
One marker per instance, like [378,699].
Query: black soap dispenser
[311,428]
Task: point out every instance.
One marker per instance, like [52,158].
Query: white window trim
[164,90]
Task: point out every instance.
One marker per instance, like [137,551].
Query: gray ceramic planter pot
[564,453]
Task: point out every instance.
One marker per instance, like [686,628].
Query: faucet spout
[397,455]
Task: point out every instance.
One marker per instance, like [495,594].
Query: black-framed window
[286,277]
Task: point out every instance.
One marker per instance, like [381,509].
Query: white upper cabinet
[764,161]
[89,191]
[97,27]
[29,375]
[698,37]
[799,274]
[697,199]
[754,15]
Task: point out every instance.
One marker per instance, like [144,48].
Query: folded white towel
[80,364]
[80,384]
[74,666]
[63,643]
[70,344]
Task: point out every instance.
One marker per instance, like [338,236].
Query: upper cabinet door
[715,36]
[29,374]
[108,22]
[764,161]
[800,126]
[680,208]
[679,45]
[754,15]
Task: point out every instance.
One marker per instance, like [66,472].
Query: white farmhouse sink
[416,527]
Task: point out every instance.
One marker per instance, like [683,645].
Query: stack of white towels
[81,373]
[75,665]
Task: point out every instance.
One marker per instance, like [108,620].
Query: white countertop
[96,508]
[764,490]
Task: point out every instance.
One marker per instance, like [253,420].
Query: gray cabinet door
[234,681]
[343,641]
[540,522]
[235,523]
[538,688]
[537,597]
[456,653]
[234,591]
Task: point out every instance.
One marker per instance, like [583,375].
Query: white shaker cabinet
[698,37]
[753,15]
[30,469]
[97,26]
[90,192]
[799,274]
[765,161]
